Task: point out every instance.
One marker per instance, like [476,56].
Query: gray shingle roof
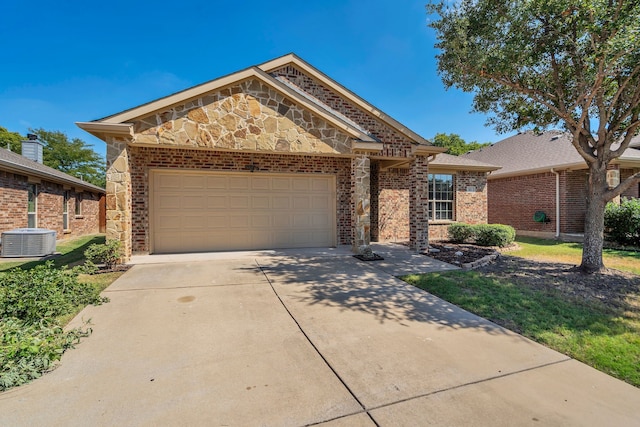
[462,162]
[531,152]
[20,164]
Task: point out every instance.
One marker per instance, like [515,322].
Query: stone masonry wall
[142,159]
[248,116]
[395,144]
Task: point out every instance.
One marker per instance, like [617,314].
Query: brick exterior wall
[392,206]
[396,144]
[144,158]
[634,191]
[14,195]
[514,201]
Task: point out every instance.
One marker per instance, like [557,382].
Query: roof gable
[120,123]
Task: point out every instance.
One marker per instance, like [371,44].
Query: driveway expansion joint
[317,350]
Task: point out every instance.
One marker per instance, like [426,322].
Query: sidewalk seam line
[364,409]
[183,287]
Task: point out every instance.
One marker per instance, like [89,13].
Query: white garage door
[202,211]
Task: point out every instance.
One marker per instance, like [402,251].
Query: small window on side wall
[65,209]
[79,204]
[32,206]
[441,197]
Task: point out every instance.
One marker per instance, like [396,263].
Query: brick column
[419,204]
[119,194]
[360,199]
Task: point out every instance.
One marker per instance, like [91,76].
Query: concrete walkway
[318,339]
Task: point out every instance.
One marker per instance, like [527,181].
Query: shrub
[460,233]
[43,292]
[482,234]
[622,222]
[27,350]
[109,254]
[494,234]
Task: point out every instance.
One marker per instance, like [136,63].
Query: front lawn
[591,318]
[571,253]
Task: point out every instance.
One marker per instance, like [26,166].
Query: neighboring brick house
[33,195]
[276,156]
[536,169]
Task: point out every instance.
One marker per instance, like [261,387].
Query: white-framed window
[32,206]
[66,197]
[79,204]
[441,197]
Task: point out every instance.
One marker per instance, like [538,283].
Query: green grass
[71,253]
[571,253]
[607,339]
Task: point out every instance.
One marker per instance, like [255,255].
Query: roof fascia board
[557,168]
[23,170]
[472,168]
[180,97]
[101,130]
[326,80]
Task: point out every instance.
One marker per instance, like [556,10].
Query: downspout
[557,174]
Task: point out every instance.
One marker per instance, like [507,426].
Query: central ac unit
[28,242]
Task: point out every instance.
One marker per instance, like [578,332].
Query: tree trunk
[594,220]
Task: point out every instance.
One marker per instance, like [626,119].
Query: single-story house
[277,155]
[33,195]
[543,172]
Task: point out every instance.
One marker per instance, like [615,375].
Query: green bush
[482,234]
[622,222]
[460,232]
[27,350]
[494,234]
[43,292]
[108,254]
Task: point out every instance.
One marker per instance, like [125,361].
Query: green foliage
[43,292]
[109,254]
[73,157]
[11,140]
[456,144]
[460,232]
[27,350]
[494,234]
[482,234]
[32,302]
[622,222]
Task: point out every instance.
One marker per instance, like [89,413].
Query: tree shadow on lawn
[70,258]
[348,284]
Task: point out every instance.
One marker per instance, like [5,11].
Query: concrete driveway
[276,340]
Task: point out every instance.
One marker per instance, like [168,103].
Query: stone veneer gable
[248,116]
[395,144]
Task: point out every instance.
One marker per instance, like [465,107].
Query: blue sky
[72,61]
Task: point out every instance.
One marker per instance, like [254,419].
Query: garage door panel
[239,202]
[239,183]
[260,202]
[209,211]
[216,202]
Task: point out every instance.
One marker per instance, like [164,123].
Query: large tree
[73,157]
[11,140]
[544,63]
[456,144]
